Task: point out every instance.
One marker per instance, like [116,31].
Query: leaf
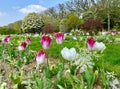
[60,87]
[39,82]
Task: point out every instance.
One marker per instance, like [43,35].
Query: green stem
[47,59]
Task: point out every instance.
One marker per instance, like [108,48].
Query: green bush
[5,31]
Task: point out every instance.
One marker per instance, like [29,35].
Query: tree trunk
[108,22]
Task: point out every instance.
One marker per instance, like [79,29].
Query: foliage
[73,21]
[32,23]
[63,26]
[91,25]
[105,23]
[48,28]
[5,31]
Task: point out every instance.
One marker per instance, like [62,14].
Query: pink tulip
[22,46]
[28,40]
[7,39]
[59,37]
[41,56]
[91,43]
[46,42]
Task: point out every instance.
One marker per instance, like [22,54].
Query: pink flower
[7,39]
[59,37]
[28,40]
[22,46]
[41,56]
[46,42]
[91,43]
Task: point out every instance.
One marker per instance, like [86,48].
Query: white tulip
[99,46]
[69,54]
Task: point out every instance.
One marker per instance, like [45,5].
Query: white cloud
[32,8]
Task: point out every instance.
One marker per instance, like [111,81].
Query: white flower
[99,46]
[69,54]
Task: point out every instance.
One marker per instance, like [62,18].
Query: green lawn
[112,57]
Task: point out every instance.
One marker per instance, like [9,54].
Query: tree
[73,21]
[48,28]
[92,26]
[32,23]
[62,11]
[63,26]
[107,9]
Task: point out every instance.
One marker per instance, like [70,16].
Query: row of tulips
[68,54]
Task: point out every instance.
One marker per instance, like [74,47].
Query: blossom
[69,54]
[7,39]
[28,40]
[41,56]
[99,46]
[22,46]
[59,37]
[91,43]
[46,42]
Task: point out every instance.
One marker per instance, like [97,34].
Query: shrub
[5,31]
[48,28]
[92,25]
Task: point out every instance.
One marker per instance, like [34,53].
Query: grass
[112,58]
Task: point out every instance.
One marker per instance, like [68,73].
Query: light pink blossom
[59,37]
[46,41]
[41,56]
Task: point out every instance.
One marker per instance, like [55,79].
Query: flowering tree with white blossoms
[32,23]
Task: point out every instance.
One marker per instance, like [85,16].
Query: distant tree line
[88,15]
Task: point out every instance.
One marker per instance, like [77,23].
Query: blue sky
[13,10]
